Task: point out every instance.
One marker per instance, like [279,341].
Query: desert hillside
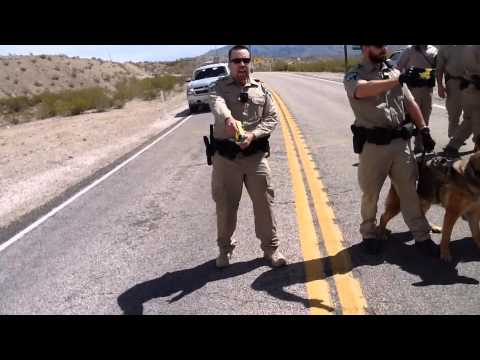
[32,75]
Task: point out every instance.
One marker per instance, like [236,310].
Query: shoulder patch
[212,87]
[265,90]
[268,93]
[352,75]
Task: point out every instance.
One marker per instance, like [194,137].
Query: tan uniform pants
[423,97]
[393,160]
[228,177]
[470,101]
[454,105]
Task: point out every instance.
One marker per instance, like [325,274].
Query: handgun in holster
[359,139]
[209,146]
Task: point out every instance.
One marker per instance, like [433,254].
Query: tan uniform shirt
[258,115]
[425,58]
[450,60]
[472,61]
[386,110]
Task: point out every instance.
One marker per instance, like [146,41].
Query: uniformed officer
[420,56]
[471,89]
[238,97]
[450,66]
[379,101]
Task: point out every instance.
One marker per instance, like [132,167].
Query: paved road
[143,240]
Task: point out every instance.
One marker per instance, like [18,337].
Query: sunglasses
[246,61]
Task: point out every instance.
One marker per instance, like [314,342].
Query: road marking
[55,210]
[316,78]
[316,284]
[341,83]
[349,291]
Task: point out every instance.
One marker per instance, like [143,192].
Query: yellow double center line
[348,288]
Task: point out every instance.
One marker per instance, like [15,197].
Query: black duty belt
[384,136]
[229,149]
[451,77]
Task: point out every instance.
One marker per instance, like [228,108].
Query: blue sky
[118,53]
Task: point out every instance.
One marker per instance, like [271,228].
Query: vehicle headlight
[190,91]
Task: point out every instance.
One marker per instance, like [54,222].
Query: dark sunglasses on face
[246,61]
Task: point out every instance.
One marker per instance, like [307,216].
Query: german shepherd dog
[454,185]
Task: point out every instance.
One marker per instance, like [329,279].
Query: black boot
[428,248]
[373,246]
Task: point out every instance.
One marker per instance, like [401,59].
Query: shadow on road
[184,281]
[183,113]
[274,282]
[200,110]
[431,271]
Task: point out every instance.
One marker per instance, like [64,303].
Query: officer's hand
[408,77]
[230,127]
[428,142]
[411,77]
[442,91]
[248,140]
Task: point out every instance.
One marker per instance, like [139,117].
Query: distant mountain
[289,51]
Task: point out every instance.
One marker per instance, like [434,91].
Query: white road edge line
[340,83]
[55,210]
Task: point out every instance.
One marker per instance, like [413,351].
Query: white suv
[198,87]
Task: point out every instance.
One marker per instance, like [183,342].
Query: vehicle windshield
[210,72]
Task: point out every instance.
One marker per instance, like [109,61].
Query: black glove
[418,77]
[409,77]
[428,142]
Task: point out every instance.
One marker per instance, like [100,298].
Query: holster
[209,146]
[359,138]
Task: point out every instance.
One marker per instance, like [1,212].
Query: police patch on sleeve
[211,87]
[351,76]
